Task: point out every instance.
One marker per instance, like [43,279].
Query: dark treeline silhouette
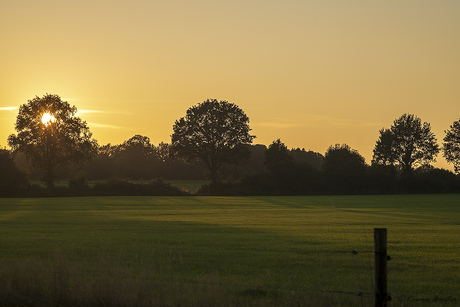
[342,171]
[213,142]
[13,182]
[275,170]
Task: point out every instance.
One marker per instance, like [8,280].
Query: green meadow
[227,251]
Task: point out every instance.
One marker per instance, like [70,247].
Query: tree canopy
[408,143]
[213,131]
[213,139]
[277,158]
[136,158]
[451,145]
[50,134]
[344,168]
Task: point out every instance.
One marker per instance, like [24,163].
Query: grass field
[227,251]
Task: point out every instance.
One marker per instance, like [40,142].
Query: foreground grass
[124,251]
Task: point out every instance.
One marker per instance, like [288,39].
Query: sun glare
[48,119]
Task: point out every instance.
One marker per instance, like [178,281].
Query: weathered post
[381,289]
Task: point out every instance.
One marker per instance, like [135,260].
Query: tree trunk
[407,168]
[407,161]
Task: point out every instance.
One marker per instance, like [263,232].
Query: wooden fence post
[381,288]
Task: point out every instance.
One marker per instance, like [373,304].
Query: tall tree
[51,135]
[451,145]
[408,143]
[213,131]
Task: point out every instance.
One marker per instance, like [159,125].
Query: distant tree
[408,144]
[451,145]
[382,179]
[277,159]
[102,166]
[256,162]
[345,169]
[291,172]
[307,177]
[135,158]
[279,164]
[252,165]
[12,181]
[162,151]
[311,158]
[51,135]
[108,150]
[213,131]
[428,179]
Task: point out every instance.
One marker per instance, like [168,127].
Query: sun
[48,118]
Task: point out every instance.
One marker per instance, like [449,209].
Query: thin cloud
[88,111]
[313,121]
[342,122]
[280,125]
[8,108]
[96,125]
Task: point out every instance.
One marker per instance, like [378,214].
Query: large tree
[451,145]
[51,135]
[408,143]
[215,132]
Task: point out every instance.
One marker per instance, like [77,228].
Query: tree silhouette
[311,158]
[213,131]
[408,143]
[51,135]
[12,180]
[135,158]
[277,159]
[344,168]
[451,145]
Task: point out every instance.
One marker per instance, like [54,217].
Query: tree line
[213,141]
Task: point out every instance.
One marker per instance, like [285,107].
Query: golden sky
[312,73]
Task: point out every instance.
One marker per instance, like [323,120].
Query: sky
[311,73]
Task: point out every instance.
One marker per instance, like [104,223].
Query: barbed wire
[354,252]
[358,293]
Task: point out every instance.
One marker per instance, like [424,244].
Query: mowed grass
[225,251]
